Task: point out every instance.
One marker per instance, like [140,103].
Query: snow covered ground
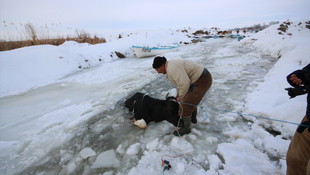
[61,108]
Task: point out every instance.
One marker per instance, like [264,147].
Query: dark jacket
[304,75]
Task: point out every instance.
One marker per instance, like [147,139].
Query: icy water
[233,68]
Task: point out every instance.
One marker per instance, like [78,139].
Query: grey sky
[151,14]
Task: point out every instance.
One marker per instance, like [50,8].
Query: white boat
[141,51]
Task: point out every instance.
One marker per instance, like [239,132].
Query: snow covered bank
[269,98]
[31,67]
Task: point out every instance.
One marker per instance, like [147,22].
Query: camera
[293,92]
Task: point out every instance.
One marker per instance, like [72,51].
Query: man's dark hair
[159,61]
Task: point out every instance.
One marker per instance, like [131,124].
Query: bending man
[192,81]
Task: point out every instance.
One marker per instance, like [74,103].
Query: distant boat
[235,36]
[241,38]
[141,51]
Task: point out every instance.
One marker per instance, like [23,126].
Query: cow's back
[151,109]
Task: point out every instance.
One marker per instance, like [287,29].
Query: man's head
[159,64]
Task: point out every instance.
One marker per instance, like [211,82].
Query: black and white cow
[150,109]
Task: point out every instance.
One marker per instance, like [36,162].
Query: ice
[179,168]
[133,149]
[212,140]
[215,162]
[74,122]
[240,155]
[106,159]
[87,152]
[152,145]
[65,156]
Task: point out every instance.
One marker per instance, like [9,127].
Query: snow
[239,154]
[62,113]
[293,51]
[106,159]
[42,65]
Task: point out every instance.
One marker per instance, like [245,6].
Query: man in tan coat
[192,81]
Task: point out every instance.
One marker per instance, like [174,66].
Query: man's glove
[303,126]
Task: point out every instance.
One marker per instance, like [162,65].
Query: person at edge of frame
[298,154]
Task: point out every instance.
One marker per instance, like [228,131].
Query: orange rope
[181,155]
[177,156]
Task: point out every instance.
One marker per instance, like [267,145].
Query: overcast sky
[151,14]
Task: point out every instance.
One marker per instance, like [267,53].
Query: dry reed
[81,37]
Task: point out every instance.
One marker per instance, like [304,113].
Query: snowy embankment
[269,99]
[31,67]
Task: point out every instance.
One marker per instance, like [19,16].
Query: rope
[176,129]
[168,166]
[244,114]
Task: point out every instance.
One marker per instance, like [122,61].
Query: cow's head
[130,104]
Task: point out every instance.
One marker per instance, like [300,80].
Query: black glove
[303,126]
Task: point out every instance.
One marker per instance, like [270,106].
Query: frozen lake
[107,143]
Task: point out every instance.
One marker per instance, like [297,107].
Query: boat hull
[142,52]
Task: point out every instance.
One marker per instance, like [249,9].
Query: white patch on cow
[141,123]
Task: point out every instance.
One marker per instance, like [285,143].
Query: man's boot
[186,129]
[194,116]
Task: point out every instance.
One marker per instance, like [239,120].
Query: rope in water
[243,114]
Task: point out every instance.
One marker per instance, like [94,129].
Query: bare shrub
[85,37]
[31,32]
[201,32]
[81,37]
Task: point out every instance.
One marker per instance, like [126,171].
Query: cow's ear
[167,96]
[171,98]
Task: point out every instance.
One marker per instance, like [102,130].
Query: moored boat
[142,51]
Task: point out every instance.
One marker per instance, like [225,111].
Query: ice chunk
[71,167]
[120,149]
[215,162]
[106,159]
[179,168]
[133,149]
[152,145]
[65,156]
[87,152]
[108,173]
[212,140]
[240,154]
